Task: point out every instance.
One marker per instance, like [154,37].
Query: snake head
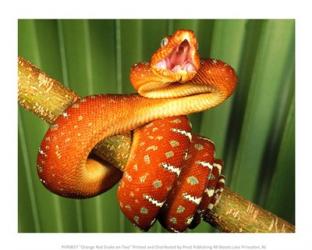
[178,57]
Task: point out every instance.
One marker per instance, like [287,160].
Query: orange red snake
[171,175]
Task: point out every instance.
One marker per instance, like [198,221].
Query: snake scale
[171,174]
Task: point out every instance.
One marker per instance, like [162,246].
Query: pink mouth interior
[179,59]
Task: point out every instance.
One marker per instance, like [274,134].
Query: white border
[152,9]
[157,9]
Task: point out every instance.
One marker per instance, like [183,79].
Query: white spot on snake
[39,168]
[78,134]
[171,168]
[174,143]
[154,129]
[42,152]
[150,137]
[57,152]
[153,201]
[147,159]
[192,180]
[149,125]
[209,192]
[169,154]
[189,220]
[217,191]
[159,137]
[153,147]
[136,219]
[217,165]
[80,118]
[204,164]
[143,178]
[67,139]
[128,177]
[180,209]
[173,220]
[193,199]
[128,207]
[174,230]
[157,183]
[176,121]
[48,138]
[135,167]
[122,184]
[54,127]
[75,105]
[152,222]
[75,126]
[214,61]
[131,194]
[182,132]
[200,211]
[144,210]
[142,143]
[211,177]
[222,180]
[187,156]
[41,180]
[210,206]
[65,115]
[198,147]
[206,139]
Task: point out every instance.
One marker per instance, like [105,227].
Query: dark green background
[254,131]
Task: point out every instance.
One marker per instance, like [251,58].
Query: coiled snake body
[171,174]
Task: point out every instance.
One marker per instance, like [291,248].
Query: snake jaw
[178,58]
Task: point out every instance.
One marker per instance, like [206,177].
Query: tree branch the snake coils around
[48,98]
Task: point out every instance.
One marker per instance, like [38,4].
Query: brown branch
[48,98]
[234,213]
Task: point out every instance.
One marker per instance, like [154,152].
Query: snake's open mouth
[180,59]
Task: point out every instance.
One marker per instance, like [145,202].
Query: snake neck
[214,83]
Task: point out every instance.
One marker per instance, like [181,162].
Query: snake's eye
[164,42]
